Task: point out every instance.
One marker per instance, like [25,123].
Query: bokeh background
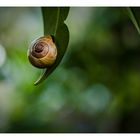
[96,88]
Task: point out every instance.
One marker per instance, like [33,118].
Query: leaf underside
[53,18]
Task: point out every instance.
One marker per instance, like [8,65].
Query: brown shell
[43,52]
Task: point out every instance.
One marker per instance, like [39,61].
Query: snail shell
[43,52]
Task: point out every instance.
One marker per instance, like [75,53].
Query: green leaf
[134,16]
[54,25]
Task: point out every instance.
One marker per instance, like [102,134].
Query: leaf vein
[57,21]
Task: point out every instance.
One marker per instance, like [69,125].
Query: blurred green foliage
[96,87]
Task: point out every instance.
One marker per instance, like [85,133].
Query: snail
[43,52]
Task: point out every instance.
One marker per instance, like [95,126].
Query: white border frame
[71,3]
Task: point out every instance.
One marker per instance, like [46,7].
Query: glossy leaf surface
[134,14]
[53,19]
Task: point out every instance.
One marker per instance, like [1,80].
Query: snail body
[43,52]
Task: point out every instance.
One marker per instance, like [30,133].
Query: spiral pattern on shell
[43,52]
